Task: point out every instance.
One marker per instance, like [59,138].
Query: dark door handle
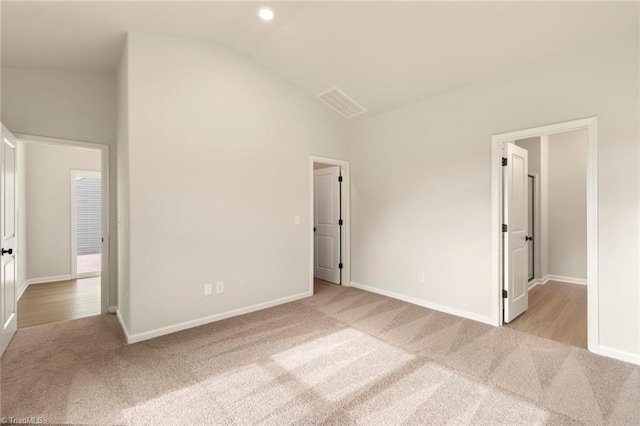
[314,229]
[10,251]
[528,238]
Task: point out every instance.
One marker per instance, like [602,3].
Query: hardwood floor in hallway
[59,301]
[557,311]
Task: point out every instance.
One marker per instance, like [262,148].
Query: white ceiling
[382,54]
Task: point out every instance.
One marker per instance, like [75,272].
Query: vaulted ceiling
[383,54]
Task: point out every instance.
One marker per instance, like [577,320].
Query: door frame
[345,229]
[106,192]
[74,243]
[534,232]
[591,125]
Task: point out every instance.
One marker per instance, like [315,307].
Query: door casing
[591,125]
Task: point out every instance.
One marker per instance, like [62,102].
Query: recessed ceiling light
[266,14]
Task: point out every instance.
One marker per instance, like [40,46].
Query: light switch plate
[208,289]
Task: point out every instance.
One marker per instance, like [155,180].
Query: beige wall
[218,163]
[568,204]
[430,210]
[68,105]
[48,206]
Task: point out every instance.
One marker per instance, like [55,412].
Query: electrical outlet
[220,287]
[421,277]
[208,289]
[296,220]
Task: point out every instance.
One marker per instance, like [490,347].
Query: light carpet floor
[343,356]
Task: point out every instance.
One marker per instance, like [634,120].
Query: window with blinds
[88,216]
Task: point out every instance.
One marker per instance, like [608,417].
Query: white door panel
[8,306]
[327,229]
[515,217]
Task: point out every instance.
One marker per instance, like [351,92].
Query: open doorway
[547,246]
[63,215]
[329,218]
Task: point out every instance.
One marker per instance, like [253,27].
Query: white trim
[139,337]
[618,354]
[123,327]
[537,227]
[45,280]
[544,206]
[534,282]
[22,290]
[106,192]
[87,275]
[563,279]
[346,217]
[435,306]
[74,175]
[591,125]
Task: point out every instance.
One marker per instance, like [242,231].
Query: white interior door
[326,224]
[8,304]
[515,234]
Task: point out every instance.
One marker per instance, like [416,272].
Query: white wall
[67,105]
[421,183]
[218,152]
[532,145]
[48,206]
[568,204]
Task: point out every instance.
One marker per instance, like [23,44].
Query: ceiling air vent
[341,102]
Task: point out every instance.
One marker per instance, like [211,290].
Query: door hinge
[504,161]
[339,178]
[340,222]
[340,265]
[504,227]
[505,295]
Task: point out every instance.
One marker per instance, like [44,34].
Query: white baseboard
[88,275]
[45,280]
[436,307]
[559,278]
[535,282]
[123,326]
[146,335]
[22,290]
[570,280]
[618,354]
